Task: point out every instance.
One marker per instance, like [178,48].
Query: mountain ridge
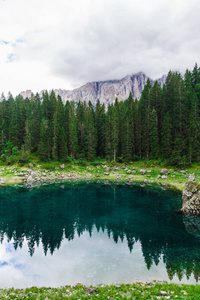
[106,91]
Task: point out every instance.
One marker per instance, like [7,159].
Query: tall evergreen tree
[194,131]
[154,142]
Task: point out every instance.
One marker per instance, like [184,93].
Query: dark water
[58,235]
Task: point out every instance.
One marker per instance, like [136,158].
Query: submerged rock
[192,224]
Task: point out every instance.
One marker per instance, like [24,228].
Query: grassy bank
[17,174]
[129,291]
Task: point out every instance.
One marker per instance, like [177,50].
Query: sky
[52,44]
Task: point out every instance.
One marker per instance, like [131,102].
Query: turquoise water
[93,234]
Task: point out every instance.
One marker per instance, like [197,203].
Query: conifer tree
[166,137]
[115,129]
[154,143]
[194,131]
[90,134]
[44,145]
[108,144]
[71,129]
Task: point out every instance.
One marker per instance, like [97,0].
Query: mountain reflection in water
[48,215]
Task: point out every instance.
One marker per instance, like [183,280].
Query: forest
[163,125]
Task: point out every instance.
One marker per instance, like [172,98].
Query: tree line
[164,124]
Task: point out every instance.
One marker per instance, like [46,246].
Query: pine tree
[108,135]
[100,128]
[90,134]
[144,110]
[44,144]
[166,139]
[194,131]
[154,142]
[71,129]
[115,129]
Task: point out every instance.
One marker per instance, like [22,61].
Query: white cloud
[63,44]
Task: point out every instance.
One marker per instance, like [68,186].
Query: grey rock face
[191,198]
[105,91]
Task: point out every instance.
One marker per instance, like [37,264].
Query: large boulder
[191,197]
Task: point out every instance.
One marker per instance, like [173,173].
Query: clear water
[94,234]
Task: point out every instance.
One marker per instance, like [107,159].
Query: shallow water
[93,233]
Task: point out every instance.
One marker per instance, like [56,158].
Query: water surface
[93,233]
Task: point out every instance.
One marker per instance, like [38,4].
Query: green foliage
[163,124]
[138,290]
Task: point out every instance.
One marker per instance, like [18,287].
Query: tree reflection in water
[50,214]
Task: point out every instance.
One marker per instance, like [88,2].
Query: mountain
[105,91]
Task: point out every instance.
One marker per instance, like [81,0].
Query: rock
[149,171]
[90,291]
[191,197]
[2,181]
[29,179]
[164,172]
[20,174]
[163,293]
[158,177]
[191,177]
[104,91]
[62,166]
[142,172]
[106,173]
[183,172]
[30,165]
[116,169]
[129,172]
[164,177]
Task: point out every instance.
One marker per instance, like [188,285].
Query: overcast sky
[47,44]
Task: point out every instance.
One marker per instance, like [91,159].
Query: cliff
[105,91]
[191,197]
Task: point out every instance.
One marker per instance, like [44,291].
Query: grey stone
[62,166]
[142,172]
[164,172]
[105,91]
[129,172]
[30,165]
[29,179]
[183,172]
[163,293]
[191,177]
[164,177]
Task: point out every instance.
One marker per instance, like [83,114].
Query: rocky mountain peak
[106,91]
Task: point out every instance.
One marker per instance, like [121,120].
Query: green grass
[138,290]
[96,170]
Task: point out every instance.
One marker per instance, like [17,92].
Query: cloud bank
[64,44]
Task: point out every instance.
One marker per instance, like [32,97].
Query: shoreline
[137,290]
[22,175]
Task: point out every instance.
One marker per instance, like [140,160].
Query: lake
[63,234]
